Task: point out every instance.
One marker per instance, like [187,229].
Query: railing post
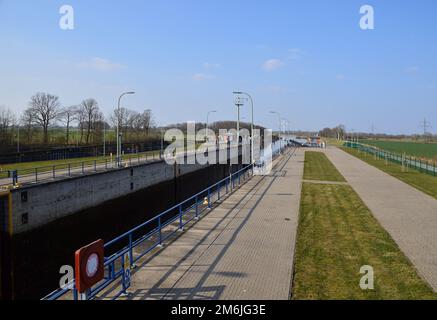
[113,270]
[209,198]
[123,264]
[218,191]
[69,169]
[14,177]
[131,253]
[95,165]
[181,223]
[54,172]
[36,174]
[160,231]
[197,206]
[110,271]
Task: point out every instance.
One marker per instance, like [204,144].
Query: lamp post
[18,138]
[251,126]
[118,127]
[279,118]
[284,126]
[207,123]
[238,104]
[104,138]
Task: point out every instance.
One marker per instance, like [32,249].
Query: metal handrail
[109,264]
[65,169]
[229,184]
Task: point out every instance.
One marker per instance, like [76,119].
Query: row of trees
[45,112]
[339,132]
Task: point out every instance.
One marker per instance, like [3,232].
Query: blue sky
[309,60]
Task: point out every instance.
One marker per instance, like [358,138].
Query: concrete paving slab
[245,251]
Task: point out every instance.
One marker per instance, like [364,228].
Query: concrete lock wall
[35,206]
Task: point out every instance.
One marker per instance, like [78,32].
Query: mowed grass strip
[421,181]
[318,167]
[337,235]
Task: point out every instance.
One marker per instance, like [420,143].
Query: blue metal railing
[153,233]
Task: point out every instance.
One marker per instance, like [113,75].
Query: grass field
[45,166]
[424,182]
[337,236]
[318,167]
[423,150]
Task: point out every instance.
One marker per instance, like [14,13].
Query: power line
[373,128]
[425,125]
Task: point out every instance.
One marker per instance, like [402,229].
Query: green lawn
[338,235]
[416,149]
[424,182]
[318,167]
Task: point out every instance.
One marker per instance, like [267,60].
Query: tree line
[339,132]
[45,113]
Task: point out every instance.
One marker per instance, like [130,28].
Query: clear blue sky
[308,60]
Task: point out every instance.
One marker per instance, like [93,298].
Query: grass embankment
[318,167]
[421,181]
[45,166]
[416,149]
[338,235]
[333,142]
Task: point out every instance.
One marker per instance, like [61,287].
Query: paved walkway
[242,249]
[409,215]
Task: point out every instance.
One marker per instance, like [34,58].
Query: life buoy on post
[89,265]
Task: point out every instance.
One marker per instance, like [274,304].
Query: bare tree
[7,119]
[27,120]
[98,126]
[124,118]
[67,116]
[147,121]
[81,120]
[133,122]
[44,108]
[90,109]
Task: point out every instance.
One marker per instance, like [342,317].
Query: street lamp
[284,126]
[18,138]
[207,122]
[251,126]
[104,138]
[118,127]
[280,128]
